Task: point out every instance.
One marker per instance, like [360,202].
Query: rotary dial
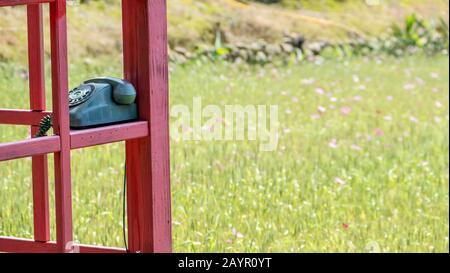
[80,94]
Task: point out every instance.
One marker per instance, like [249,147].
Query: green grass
[392,153]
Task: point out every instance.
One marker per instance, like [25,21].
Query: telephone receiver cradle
[102,101]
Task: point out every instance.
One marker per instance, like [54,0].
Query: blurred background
[362,88]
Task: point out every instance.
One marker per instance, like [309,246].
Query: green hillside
[94,27]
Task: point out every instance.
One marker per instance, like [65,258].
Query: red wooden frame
[147,140]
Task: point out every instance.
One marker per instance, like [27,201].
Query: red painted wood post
[37,103]
[63,193]
[148,168]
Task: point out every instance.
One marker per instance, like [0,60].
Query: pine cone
[45,125]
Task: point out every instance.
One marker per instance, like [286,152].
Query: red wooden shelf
[31,147]
[108,134]
[5,3]
[78,139]
[21,117]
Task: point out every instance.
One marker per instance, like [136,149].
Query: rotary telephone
[102,101]
[97,102]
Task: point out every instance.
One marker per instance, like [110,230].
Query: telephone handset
[102,101]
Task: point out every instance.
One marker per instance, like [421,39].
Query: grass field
[362,162]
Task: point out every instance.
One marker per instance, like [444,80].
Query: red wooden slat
[31,147]
[148,179]
[21,117]
[100,249]
[108,134]
[63,192]
[4,3]
[18,245]
[36,57]
[41,214]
